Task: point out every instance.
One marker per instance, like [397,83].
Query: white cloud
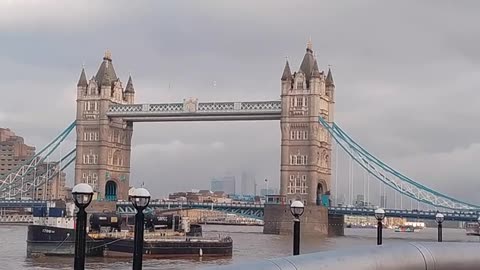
[177,148]
[52,15]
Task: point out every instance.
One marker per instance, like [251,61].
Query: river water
[249,243]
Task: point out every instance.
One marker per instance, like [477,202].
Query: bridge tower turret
[103,144]
[305,147]
[330,94]
[305,169]
[130,91]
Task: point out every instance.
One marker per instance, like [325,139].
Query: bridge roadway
[247,210]
[256,210]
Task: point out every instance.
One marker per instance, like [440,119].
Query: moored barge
[158,245]
[53,234]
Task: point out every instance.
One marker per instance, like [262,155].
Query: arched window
[324,156]
[299,84]
[117,156]
[111,191]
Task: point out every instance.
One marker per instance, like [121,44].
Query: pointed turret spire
[287,74]
[329,80]
[106,73]
[308,61]
[108,55]
[129,88]
[83,79]
[309,45]
[315,71]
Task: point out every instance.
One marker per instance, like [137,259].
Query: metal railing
[16,219]
[411,256]
[415,213]
[205,204]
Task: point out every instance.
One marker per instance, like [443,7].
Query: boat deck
[167,236]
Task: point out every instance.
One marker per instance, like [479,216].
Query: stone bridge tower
[306,145]
[305,169]
[103,144]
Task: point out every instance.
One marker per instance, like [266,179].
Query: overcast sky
[406,74]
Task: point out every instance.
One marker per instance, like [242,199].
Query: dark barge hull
[159,249]
[53,241]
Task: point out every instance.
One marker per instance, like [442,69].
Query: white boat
[472,228]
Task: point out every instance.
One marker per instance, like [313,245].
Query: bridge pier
[102,206]
[315,220]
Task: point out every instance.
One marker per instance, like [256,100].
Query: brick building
[13,153]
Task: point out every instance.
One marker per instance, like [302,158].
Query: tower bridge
[106,112]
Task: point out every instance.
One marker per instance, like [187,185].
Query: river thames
[249,244]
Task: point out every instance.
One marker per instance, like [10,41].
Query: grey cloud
[406,75]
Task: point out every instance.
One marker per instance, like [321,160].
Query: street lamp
[140,199]
[82,195]
[266,191]
[439,218]
[296,208]
[379,215]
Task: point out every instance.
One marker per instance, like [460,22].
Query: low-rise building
[205,196]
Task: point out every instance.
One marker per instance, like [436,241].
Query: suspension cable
[399,182]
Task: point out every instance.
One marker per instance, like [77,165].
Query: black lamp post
[478,220]
[82,195]
[297,209]
[140,199]
[379,215]
[439,218]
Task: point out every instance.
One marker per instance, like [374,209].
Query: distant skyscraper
[360,200]
[341,199]
[383,201]
[248,184]
[226,184]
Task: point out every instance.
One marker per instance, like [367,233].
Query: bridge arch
[321,190]
[111,189]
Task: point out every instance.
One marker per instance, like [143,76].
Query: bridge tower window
[117,158]
[90,158]
[299,85]
[298,159]
[90,136]
[298,135]
[297,184]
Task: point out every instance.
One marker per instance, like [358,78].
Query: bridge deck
[190,110]
[256,210]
